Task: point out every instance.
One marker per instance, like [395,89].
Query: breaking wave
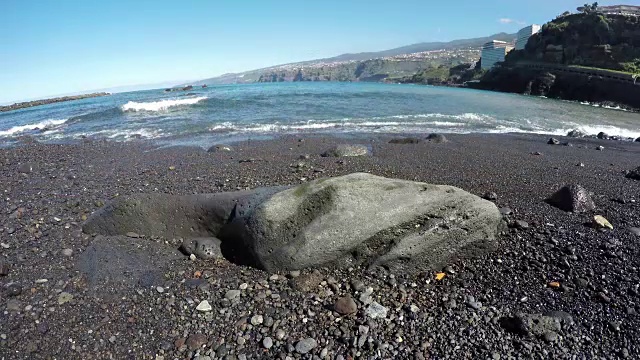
[46,124]
[160,105]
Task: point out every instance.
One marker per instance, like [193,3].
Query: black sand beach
[549,262]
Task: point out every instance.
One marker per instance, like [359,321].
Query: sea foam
[30,127]
[160,105]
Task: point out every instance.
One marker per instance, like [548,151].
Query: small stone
[132,235]
[13,289]
[67,252]
[600,148]
[490,196]
[554,284]
[306,345]
[280,334]
[204,306]
[376,311]
[244,286]
[232,294]
[294,273]
[614,325]
[505,211]
[257,320]
[634,231]
[521,224]
[196,341]
[267,342]
[413,308]
[553,141]
[4,268]
[274,277]
[580,164]
[64,297]
[357,285]
[603,297]
[160,289]
[192,257]
[4,245]
[41,281]
[436,138]
[345,306]
[550,336]
[600,222]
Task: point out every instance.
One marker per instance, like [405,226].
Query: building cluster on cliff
[494,52]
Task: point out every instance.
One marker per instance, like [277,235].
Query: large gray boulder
[364,219]
[346,150]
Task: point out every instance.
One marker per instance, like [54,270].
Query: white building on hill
[494,52]
[524,34]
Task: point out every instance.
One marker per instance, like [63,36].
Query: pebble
[635,231]
[376,311]
[4,268]
[490,196]
[232,294]
[305,345]
[13,289]
[550,336]
[365,297]
[196,341]
[64,298]
[4,245]
[280,334]
[345,306]
[192,257]
[505,211]
[160,289]
[204,306]
[600,148]
[257,320]
[132,235]
[244,286]
[67,252]
[41,281]
[357,285]
[267,342]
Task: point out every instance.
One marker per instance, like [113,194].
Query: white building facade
[493,52]
[524,35]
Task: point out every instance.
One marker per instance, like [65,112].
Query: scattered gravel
[49,309]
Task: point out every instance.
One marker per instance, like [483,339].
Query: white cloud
[510,21]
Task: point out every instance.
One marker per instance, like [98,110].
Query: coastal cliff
[590,57]
[27,104]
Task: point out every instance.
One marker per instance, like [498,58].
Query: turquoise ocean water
[233,112]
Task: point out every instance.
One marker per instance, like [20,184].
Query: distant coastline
[27,104]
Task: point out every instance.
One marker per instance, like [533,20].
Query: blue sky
[66,46]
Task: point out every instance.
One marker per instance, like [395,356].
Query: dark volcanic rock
[346,150]
[553,141]
[345,305]
[407,140]
[532,324]
[365,219]
[602,135]
[25,168]
[576,134]
[436,138]
[4,268]
[572,198]
[634,174]
[490,195]
[172,216]
[638,140]
[219,148]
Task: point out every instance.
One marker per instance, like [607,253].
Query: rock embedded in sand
[436,138]
[219,148]
[346,150]
[553,141]
[305,345]
[602,135]
[365,219]
[572,198]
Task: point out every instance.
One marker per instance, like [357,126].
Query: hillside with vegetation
[589,56]
[388,65]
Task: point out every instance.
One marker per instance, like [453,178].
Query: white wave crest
[160,105]
[29,127]
[608,129]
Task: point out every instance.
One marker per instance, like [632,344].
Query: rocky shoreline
[556,286]
[28,104]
